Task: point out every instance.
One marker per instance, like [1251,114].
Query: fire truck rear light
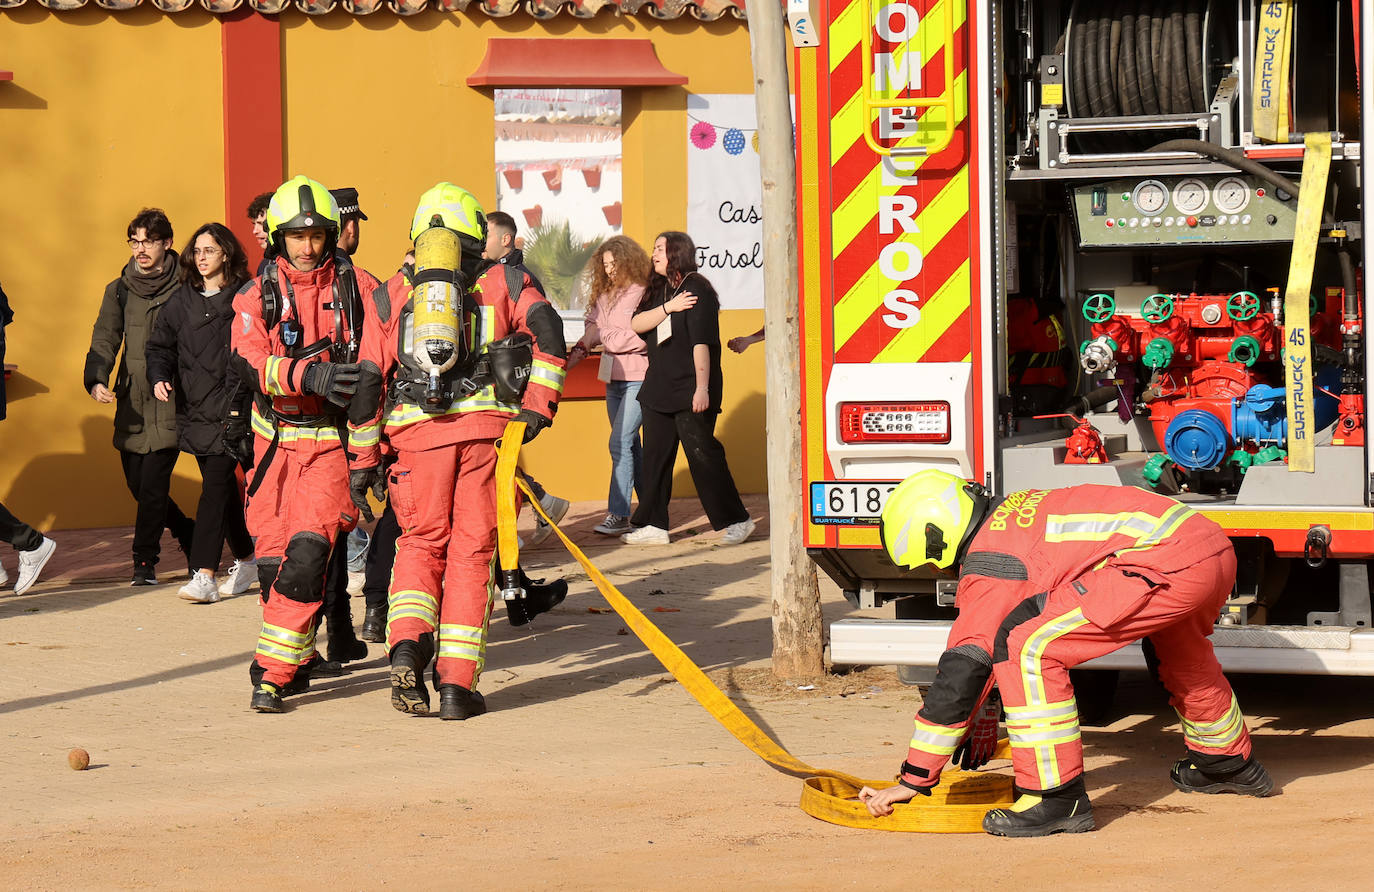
[894,422]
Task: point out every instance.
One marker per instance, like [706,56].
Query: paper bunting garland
[704,135]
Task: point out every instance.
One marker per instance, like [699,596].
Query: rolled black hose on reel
[1143,59]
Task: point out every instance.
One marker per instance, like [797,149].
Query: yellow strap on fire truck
[1297,348]
[1274,40]
[956,806]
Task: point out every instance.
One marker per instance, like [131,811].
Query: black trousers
[663,431]
[219,516]
[336,609]
[17,533]
[381,554]
[149,478]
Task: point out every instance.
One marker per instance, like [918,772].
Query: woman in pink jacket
[618,272]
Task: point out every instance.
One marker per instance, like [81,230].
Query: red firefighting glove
[980,740]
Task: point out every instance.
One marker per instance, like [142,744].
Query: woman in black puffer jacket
[188,353]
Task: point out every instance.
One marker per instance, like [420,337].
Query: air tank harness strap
[956,806]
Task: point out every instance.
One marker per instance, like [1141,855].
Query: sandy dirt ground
[594,770]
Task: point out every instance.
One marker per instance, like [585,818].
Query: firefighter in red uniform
[1049,579]
[296,338]
[443,428]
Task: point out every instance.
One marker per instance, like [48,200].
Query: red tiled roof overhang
[705,10]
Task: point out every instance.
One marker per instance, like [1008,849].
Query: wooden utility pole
[798,631]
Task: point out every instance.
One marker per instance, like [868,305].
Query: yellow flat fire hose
[956,806]
[1297,348]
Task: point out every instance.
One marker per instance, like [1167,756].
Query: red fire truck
[1049,242]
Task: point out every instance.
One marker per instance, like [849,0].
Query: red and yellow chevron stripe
[888,246]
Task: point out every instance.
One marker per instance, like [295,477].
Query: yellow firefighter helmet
[927,518]
[451,207]
[301,203]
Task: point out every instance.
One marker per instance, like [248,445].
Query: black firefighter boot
[374,625]
[1195,775]
[408,661]
[1064,810]
[539,598]
[344,646]
[457,703]
[267,698]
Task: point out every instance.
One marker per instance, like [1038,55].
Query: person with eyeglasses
[145,428]
[188,358]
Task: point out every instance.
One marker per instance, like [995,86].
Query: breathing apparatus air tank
[439,342]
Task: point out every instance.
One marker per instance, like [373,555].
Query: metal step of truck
[1282,650]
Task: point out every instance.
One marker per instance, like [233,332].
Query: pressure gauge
[1190,195]
[1150,197]
[1231,195]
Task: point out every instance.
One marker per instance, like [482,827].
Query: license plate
[850,501]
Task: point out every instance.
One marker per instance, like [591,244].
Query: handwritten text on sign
[724,198]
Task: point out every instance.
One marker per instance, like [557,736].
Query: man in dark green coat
[145,428]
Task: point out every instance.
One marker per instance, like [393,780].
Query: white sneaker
[4,577]
[614,525]
[31,563]
[646,536]
[242,576]
[736,533]
[201,589]
[555,508]
[356,582]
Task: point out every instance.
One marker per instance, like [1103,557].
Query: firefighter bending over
[295,336]
[1049,579]
[453,350]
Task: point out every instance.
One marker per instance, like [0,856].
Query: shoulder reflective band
[1297,348]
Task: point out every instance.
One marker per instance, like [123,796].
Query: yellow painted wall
[112,111]
[107,113]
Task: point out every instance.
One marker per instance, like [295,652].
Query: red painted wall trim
[253,138]
[572,62]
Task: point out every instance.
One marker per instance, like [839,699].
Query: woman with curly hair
[617,274]
[188,355]
[681,397]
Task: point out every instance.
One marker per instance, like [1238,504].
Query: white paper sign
[724,197]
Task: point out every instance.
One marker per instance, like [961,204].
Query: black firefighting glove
[534,423]
[335,381]
[360,480]
[237,437]
[980,739]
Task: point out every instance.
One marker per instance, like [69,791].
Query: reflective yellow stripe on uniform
[463,643]
[548,374]
[1031,657]
[1047,725]
[285,645]
[937,739]
[404,415]
[273,379]
[413,605]
[1217,734]
[1147,529]
[365,436]
[290,433]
